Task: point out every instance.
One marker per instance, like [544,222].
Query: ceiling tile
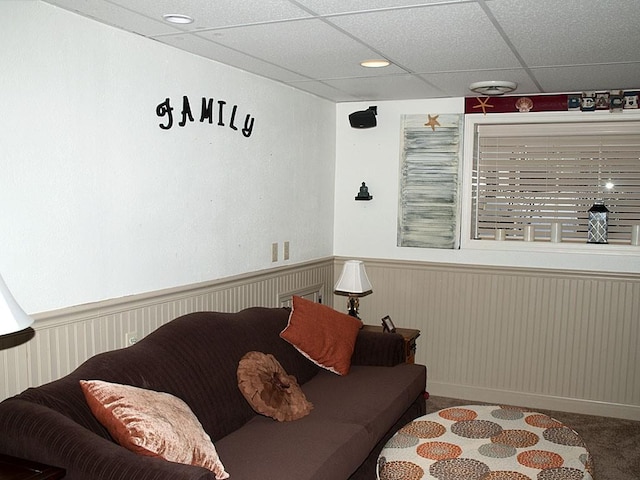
[589,77]
[296,47]
[397,87]
[571,32]
[208,49]
[210,14]
[123,18]
[433,39]
[323,90]
[328,7]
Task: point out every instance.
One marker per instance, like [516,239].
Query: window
[543,173]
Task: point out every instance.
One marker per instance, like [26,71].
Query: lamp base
[352,305]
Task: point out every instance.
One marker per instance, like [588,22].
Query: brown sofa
[195,357]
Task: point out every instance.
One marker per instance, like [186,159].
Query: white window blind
[536,174]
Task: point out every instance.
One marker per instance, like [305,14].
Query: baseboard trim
[533,400]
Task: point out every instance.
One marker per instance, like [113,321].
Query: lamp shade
[12,317]
[353,280]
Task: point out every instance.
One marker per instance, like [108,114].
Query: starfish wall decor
[483,103]
[433,122]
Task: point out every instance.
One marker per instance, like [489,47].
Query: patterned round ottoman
[479,442]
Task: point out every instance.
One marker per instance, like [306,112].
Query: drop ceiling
[436,47]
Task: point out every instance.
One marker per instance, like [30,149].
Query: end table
[12,468]
[409,334]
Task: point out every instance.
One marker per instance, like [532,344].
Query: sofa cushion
[351,415]
[152,423]
[312,448]
[324,335]
[268,388]
[374,397]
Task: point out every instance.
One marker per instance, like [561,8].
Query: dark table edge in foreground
[12,468]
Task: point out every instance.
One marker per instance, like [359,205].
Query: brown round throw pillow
[268,388]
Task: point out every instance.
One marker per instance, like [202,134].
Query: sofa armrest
[37,433]
[379,349]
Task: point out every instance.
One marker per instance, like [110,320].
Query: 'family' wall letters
[207,113]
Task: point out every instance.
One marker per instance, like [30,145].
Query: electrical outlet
[285,254]
[274,252]
[130,339]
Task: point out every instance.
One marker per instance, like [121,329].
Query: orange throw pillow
[152,423]
[322,334]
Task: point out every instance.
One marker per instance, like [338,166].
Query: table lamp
[12,317]
[353,283]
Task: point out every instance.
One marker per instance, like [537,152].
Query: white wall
[98,202]
[369,229]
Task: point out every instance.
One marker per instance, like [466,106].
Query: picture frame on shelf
[387,325]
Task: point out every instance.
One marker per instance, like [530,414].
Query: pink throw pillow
[152,423]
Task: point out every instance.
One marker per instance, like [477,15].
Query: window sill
[550,247]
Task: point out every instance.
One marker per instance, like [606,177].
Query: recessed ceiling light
[493,87]
[376,63]
[177,18]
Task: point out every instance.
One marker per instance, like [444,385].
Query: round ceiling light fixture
[177,18]
[375,63]
[493,87]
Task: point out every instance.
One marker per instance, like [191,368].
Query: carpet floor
[614,443]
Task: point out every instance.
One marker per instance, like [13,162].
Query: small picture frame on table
[387,325]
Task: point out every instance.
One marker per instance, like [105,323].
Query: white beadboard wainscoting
[553,339]
[64,339]
[565,340]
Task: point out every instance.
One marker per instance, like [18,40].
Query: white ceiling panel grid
[437,47]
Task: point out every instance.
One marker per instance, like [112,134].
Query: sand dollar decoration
[423,429]
[400,470]
[438,450]
[458,414]
[458,469]
[476,429]
[516,438]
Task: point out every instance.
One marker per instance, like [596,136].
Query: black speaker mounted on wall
[364,118]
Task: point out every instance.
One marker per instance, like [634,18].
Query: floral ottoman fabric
[478,442]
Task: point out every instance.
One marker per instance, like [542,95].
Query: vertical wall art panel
[431,149]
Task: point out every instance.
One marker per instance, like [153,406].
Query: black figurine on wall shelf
[363,194]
